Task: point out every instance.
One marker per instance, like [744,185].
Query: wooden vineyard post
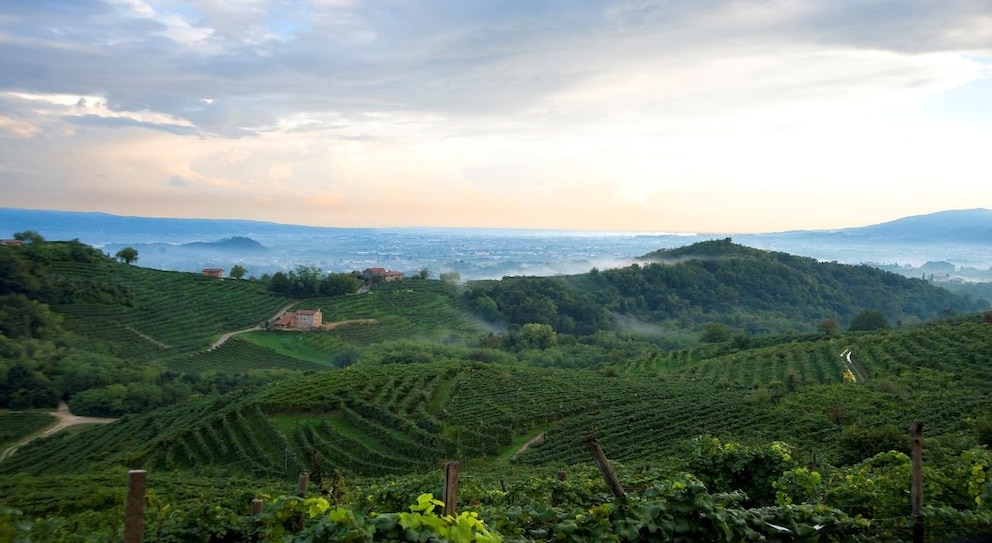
[604,467]
[257,506]
[450,488]
[301,487]
[134,509]
[916,489]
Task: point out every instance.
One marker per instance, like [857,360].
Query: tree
[537,336]
[828,326]
[127,255]
[869,319]
[237,271]
[450,277]
[715,332]
[29,236]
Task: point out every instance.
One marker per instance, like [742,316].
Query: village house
[308,318]
[11,242]
[214,272]
[387,275]
[301,319]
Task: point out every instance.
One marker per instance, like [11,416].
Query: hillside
[955,226]
[750,290]
[375,418]
[410,379]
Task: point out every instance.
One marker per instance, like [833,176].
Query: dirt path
[536,439]
[336,324]
[148,338]
[65,420]
[223,339]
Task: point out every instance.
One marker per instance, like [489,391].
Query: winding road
[850,366]
[223,339]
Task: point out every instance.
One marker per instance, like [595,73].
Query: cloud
[385,110]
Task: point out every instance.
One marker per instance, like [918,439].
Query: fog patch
[632,325]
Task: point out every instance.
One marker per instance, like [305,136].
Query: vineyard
[16,425]
[404,379]
[427,310]
[380,419]
[155,322]
[239,355]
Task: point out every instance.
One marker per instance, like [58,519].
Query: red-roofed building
[214,272]
[301,319]
[387,275]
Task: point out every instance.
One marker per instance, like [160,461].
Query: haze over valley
[948,245]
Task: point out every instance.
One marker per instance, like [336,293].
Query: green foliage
[868,320]
[758,292]
[728,467]
[715,332]
[450,277]
[127,255]
[15,425]
[237,272]
[309,282]
[21,317]
[314,519]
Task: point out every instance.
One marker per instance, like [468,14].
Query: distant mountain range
[955,226]
[960,238]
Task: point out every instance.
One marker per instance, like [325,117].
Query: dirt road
[223,339]
[65,420]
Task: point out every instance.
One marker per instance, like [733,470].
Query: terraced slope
[166,313]
[395,418]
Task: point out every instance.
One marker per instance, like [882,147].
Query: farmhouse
[214,272]
[11,242]
[301,319]
[387,275]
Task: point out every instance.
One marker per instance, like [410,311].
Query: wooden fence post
[257,506]
[450,488]
[604,467]
[134,509]
[301,487]
[916,489]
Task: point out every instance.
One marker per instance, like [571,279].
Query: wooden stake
[916,490]
[134,509]
[604,467]
[450,488]
[257,506]
[301,488]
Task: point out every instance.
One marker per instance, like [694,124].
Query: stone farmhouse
[301,319]
[387,275]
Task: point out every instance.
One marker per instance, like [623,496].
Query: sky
[632,115]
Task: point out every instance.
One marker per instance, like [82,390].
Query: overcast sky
[646,115]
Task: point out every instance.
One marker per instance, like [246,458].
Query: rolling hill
[410,378]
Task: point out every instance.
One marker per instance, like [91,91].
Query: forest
[740,395]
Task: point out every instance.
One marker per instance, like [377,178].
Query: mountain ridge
[945,222]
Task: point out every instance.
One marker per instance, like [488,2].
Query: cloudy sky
[647,115]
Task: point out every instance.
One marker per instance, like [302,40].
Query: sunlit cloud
[629,115]
[66,106]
